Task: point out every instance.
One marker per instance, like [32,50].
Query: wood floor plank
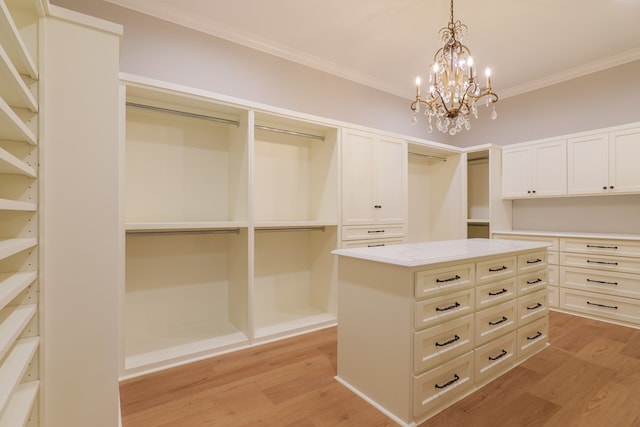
[589,376]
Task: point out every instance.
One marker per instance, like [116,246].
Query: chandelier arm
[442,102]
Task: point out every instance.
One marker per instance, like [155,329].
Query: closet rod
[180,232]
[428,156]
[287,229]
[184,114]
[478,159]
[290,132]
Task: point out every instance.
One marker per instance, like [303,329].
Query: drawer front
[554,275]
[532,282]
[532,261]
[533,306]
[495,357]
[494,293]
[601,262]
[621,284]
[361,232]
[553,258]
[601,247]
[495,269]
[553,242]
[495,321]
[532,338]
[436,282]
[438,387]
[611,307]
[441,343]
[348,244]
[554,296]
[439,309]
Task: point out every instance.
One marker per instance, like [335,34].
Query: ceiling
[386,43]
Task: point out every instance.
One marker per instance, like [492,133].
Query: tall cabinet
[19,224]
[231,214]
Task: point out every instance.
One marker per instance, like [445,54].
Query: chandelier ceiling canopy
[453,89]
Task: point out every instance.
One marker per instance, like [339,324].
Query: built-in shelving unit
[19,306]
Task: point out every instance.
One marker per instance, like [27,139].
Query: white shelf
[11,165]
[293,224]
[183,226]
[477,221]
[14,45]
[14,367]
[20,405]
[10,247]
[13,320]
[288,322]
[17,205]
[12,127]
[14,90]
[12,284]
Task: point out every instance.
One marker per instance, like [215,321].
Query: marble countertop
[426,253]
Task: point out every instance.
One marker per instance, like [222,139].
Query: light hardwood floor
[588,376]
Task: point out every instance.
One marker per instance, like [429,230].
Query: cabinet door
[588,165]
[549,169]
[515,172]
[391,181]
[624,152]
[358,178]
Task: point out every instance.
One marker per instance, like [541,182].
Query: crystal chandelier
[454,91]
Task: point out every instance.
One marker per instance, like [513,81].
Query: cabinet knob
[534,191]
[528,191]
[604,188]
[611,187]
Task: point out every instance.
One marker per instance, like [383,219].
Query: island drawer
[532,337]
[621,284]
[441,343]
[437,388]
[532,306]
[495,321]
[436,282]
[495,269]
[532,282]
[495,357]
[533,261]
[439,309]
[495,292]
[601,247]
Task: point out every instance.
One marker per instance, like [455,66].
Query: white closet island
[422,325]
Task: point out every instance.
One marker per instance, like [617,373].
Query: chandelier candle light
[453,87]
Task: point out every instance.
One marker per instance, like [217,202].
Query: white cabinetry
[19,225]
[231,217]
[374,185]
[470,319]
[535,170]
[604,163]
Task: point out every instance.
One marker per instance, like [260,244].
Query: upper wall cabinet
[374,179]
[536,170]
[604,163]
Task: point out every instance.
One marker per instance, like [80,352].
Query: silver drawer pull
[602,281]
[535,261]
[497,322]
[493,270]
[502,354]
[536,336]
[531,282]
[446,343]
[602,247]
[602,262]
[534,307]
[457,304]
[456,377]
[493,294]
[375,231]
[450,279]
[615,307]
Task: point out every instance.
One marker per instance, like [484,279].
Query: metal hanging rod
[428,156]
[181,232]
[184,114]
[287,229]
[478,159]
[290,132]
